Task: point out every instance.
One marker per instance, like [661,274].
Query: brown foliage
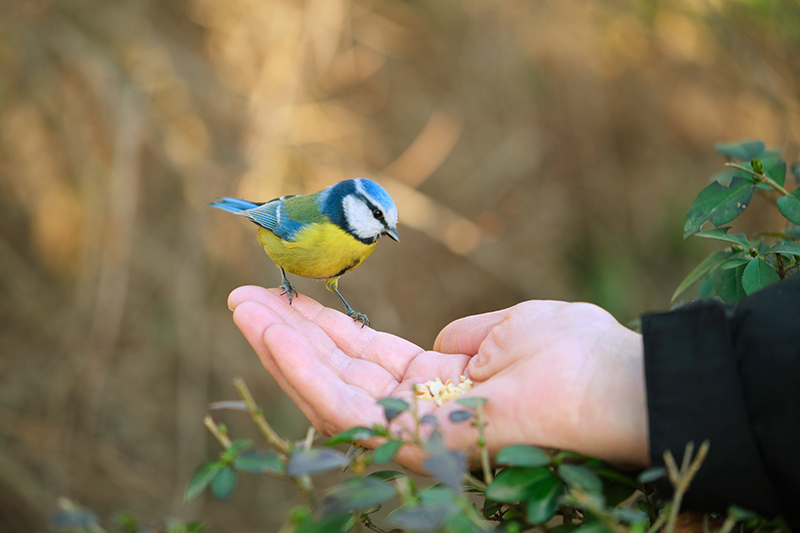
[535,150]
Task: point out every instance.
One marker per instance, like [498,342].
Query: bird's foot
[288,289]
[358,317]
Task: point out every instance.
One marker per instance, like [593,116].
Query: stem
[257,415]
[303,483]
[761,177]
[475,483]
[487,467]
[369,524]
[310,434]
[658,523]
[781,269]
[681,479]
[214,429]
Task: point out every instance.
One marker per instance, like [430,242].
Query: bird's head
[362,208]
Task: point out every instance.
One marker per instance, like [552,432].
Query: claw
[287,287]
[358,317]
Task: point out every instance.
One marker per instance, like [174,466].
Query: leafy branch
[747,265]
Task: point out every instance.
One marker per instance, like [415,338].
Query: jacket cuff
[693,394]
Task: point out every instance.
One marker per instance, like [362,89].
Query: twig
[658,523]
[681,479]
[369,524]
[728,525]
[475,483]
[481,423]
[760,176]
[214,429]
[257,415]
[310,434]
[284,448]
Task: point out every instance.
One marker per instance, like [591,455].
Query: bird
[322,235]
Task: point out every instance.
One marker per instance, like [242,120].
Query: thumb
[465,335]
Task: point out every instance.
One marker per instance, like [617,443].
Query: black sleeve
[731,374]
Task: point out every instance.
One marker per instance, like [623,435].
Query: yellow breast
[319,251]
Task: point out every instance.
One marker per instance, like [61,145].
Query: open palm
[555,374]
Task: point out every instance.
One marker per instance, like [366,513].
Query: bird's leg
[333,286]
[287,287]
[358,317]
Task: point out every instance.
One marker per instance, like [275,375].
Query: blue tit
[321,235]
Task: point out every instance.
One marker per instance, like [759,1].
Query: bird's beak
[392,232]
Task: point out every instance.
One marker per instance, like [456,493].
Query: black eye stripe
[376,211]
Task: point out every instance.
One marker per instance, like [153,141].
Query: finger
[253,319]
[389,351]
[465,335]
[373,378]
[526,330]
[324,395]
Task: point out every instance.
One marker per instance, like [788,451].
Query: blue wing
[267,215]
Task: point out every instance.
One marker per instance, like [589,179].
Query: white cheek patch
[360,218]
[391,217]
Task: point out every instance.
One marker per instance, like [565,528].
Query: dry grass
[535,149]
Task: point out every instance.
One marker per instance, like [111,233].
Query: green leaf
[239,445]
[775,168]
[224,483]
[386,475]
[705,288]
[512,484]
[654,473]
[757,275]
[786,248]
[728,284]
[200,479]
[472,402]
[75,519]
[543,500]
[386,452]
[393,407]
[355,493]
[743,151]
[719,204]
[581,477]
[789,206]
[616,493]
[739,514]
[630,515]
[735,260]
[460,416]
[428,516]
[708,264]
[328,524]
[593,527]
[522,455]
[429,420]
[314,461]
[350,435]
[257,462]
[623,478]
[721,234]
[448,466]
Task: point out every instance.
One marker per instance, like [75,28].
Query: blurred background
[535,148]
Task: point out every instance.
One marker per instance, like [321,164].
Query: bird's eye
[377,213]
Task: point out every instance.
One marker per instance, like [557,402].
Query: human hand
[556,375]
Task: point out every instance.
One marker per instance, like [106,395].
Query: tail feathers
[233,205]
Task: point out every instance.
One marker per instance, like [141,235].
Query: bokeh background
[536,149]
